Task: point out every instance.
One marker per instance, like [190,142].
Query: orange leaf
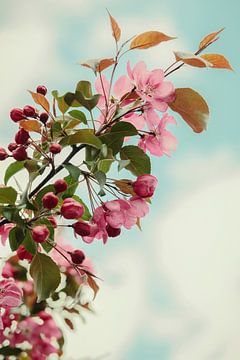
[192,107]
[98,65]
[218,61]
[92,283]
[149,39]
[30,125]
[40,100]
[116,31]
[209,39]
[191,59]
[125,186]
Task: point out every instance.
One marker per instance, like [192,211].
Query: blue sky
[149,306]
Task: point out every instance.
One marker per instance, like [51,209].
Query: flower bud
[113,232]
[22,136]
[71,209]
[41,89]
[3,154]
[82,228]
[23,254]
[145,185]
[16,114]
[20,153]
[77,256]
[29,110]
[55,148]
[40,233]
[52,221]
[60,185]
[12,146]
[43,117]
[50,200]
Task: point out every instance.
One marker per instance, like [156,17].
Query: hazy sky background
[171,292]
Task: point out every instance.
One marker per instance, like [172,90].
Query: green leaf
[139,162]
[73,170]
[16,237]
[46,275]
[62,105]
[105,165]
[101,178]
[8,195]
[77,114]
[12,170]
[192,107]
[10,351]
[114,139]
[12,215]
[83,136]
[29,243]
[88,103]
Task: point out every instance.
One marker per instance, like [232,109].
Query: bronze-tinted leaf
[125,186]
[149,39]
[191,59]
[218,61]
[98,65]
[192,107]
[31,125]
[116,31]
[40,100]
[69,323]
[209,39]
[92,283]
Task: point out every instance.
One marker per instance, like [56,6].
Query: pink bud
[23,254]
[20,153]
[71,209]
[3,154]
[43,117]
[40,233]
[55,148]
[82,228]
[12,146]
[60,185]
[16,114]
[50,200]
[22,136]
[41,89]
[145,185]
[77,256]
[29,110]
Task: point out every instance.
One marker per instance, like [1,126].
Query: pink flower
[4,232]
[150,86]
[161,141]
[145,185]
[10,296]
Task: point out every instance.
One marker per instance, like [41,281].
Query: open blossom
[151,86]
[161,141]
[4,232]
[10,296]
[115,214]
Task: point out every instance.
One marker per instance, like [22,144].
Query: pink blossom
[161,141]
[4,232]
[10,296]
[151,86]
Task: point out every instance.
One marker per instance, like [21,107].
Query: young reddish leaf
[40,100]
[218,61]
[30,125]
[192,107]
[125,186]
[149,39]
[191,59]
[92,283]
[209,39]
[98,65]
[116,31]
